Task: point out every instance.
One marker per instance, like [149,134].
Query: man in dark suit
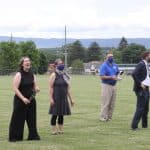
[142,92]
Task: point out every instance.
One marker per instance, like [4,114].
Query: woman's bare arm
[16,83]
[51,87]
[36,87]
[70,96]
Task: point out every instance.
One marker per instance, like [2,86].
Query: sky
[83,18]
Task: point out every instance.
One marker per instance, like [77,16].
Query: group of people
[24,108]
[141,75]
[25,88]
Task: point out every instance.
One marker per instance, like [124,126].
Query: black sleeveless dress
[61,104]
[22,112]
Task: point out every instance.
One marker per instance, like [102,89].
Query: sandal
[54,133]
[61,132]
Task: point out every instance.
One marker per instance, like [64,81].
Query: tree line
[77,54]
[125,53]
[128,53]
[11,52]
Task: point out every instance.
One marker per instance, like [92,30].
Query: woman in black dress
[59,95]
[24,108]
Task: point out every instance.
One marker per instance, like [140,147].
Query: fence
[127,68]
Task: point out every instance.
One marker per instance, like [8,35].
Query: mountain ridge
[58,42]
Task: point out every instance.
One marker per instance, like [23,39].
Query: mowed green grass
[83,130]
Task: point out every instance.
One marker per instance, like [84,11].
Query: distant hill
[55,42]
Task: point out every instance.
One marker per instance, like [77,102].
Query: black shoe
[145,127]
[34,138]
[135,129]
[14,140]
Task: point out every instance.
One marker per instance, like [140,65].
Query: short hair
[109,55]
[145,54]
[56,61]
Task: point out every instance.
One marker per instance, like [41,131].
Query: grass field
[83,130]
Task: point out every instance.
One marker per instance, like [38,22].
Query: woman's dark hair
[21,62]
[145,54]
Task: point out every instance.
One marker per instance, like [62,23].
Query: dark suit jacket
[139,74]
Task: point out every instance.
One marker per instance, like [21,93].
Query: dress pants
[108,98]
[142,109]
[22,113]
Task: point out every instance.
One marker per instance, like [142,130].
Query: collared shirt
[147,68]
[107,69]
[145,62]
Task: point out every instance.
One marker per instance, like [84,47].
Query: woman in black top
[25,87]
[59,94]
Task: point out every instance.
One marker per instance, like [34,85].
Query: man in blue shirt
[108,74]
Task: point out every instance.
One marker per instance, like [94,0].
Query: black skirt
[61,105]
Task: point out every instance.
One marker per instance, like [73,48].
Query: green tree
[132,53]
[75,51]
[29,49]
[117,56]
[43,63]
[50,55]
[94,52]
[77,64]
[9,55]
[123,43]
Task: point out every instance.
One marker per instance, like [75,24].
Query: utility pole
[66,63]
[11,37]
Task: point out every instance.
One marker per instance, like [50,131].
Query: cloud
[84,18]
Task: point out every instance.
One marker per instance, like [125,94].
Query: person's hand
[51,102]
[37,89]
[26,101]
[72,103]
[114,78]
[119,78]
[143,86]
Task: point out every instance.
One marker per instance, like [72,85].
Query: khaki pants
[108,97]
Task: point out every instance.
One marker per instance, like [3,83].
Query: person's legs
[60,123]
[17,121]
[106,95]
[112,103]
[146,110]
[53,124]
[31,121]
[141,102]
[145,116]
[53,120]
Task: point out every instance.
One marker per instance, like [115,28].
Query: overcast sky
[83,18]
